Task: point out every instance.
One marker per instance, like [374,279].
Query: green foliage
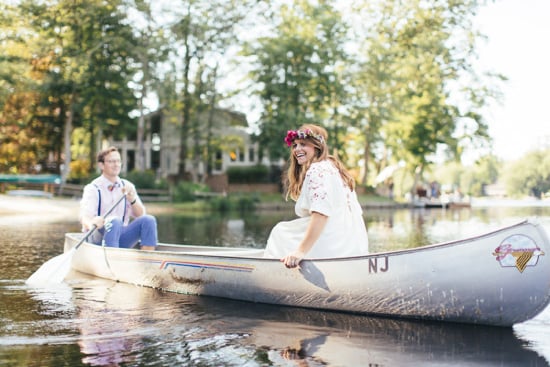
[75,64]
[252,174]
[241,203]
[470,180]
[418,58]
[385,88]
[80,171]
[185,191]
[299,69]
[144,179]
[529,175]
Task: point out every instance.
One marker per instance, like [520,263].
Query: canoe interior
[211,250]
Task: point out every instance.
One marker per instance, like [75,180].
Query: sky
[518,46]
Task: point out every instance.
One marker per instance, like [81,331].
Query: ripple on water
[535,333]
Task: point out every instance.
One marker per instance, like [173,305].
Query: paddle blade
[53,270]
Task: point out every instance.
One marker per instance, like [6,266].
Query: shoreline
[32,209]
[51,208]
[56,208]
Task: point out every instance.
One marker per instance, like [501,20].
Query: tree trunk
[140,150]
[67,132]
[366,163]
[186,112]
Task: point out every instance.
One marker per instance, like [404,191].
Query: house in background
[227,138]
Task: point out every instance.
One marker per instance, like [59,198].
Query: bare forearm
[138,208]
[313,232]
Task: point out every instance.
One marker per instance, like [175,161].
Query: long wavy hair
[294,178]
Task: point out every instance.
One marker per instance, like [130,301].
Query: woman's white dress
[323,191]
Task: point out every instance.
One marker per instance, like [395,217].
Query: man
[116,230]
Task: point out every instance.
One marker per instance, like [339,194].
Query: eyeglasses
[113,161]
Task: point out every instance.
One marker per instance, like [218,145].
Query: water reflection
[109,335]
[215,229]
[120,324]
[388,229]
[96,322]
[352,340]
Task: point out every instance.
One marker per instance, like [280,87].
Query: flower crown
[292,135]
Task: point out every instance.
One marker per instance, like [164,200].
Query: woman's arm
[313,232]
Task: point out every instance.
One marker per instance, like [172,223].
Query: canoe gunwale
[215,251]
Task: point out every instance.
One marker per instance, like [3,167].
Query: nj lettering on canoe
[379,264]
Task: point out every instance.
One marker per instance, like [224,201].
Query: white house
[230,143]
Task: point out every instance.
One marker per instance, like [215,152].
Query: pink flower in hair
[292,135]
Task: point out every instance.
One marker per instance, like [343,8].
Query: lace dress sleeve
[316,192]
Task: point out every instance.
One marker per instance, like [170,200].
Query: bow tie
[111,187]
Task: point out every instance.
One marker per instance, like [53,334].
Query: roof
[27,178]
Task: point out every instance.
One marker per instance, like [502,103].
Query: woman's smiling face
[304,151]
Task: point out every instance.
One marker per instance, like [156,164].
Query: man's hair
[101,155]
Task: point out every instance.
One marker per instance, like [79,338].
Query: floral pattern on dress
[318,189]
[315,180]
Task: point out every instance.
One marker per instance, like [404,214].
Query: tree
[470,179]
[299,70]
[419,80]
[149,51]
[529,175]
[24,140]
[202,32]
[85,78]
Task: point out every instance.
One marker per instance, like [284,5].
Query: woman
[331,220]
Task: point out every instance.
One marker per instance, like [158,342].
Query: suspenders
[99,202]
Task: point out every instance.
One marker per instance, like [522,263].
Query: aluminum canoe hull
[499,278]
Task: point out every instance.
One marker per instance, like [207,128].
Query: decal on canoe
[518,250]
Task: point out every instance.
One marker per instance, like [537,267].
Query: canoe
[497,278]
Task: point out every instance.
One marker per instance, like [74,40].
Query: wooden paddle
[56,269]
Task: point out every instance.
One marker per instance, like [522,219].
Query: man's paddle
[56,269]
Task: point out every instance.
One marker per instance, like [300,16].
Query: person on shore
[331,220]
[128,224]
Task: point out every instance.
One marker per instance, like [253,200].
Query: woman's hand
[314,229]
[293,259]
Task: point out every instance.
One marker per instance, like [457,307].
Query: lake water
[93,322]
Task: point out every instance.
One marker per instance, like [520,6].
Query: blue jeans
[142,229]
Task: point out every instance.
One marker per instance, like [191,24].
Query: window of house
[218,161]
[251,157]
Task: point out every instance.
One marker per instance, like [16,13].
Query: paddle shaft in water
[55,269]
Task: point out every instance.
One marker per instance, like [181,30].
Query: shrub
[232,203]
[142,179]
[222,205]
[79,172]
[252,174]
[185,191]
